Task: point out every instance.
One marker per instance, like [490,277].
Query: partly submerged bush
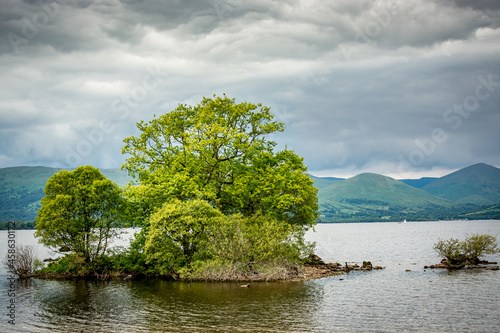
[467,252]
[22,261]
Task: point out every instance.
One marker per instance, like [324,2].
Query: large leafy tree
[217,151]
[79,212]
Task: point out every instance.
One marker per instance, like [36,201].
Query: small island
[461,254]
[211,197]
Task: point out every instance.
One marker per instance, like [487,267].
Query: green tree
[79,212]
[460,253]
[217,151]
[176,232]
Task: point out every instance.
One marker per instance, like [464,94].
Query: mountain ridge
[477,184]
[364,197]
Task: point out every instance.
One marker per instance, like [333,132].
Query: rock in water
[314,260]
[367,266]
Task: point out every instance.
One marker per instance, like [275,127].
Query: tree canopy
[177,230]
[79,211]
[218,151]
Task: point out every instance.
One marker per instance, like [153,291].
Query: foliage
[258,238]
[221,270]
[23,262]
[73,263]
[79,212]
[176,232]
[192,236]
[217,151]
[21,189]
[131,260]
[247,248]
[468,251]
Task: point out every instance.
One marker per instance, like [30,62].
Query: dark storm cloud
[478,4]
[360,85]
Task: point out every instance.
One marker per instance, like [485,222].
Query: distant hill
[322,182]
[477,184]
[366,197]
[418,183]
[21,189]
[488,213]
[373,197]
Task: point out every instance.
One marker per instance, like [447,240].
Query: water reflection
[157,305]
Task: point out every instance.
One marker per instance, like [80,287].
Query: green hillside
[418,183]
[477,184]
[366,197]
[488,213]
[372,197]
[21,189]
[322,182]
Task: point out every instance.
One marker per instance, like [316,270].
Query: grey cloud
[362,113]
[478,4]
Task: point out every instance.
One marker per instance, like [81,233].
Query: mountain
[21,189]
[477,184]
[365,197]
[418,183]
[374,187]
[322,182]
[373,197]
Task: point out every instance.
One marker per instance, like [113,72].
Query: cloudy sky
[400,88]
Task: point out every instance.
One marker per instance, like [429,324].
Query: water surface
[403,297]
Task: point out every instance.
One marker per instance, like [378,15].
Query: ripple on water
[392,300]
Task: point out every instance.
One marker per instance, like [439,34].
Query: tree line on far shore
[18,225]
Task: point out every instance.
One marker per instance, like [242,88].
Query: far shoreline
[337,222]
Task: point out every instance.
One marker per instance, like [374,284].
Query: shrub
[73,264]
[131,260]
[24,262]
[461,253]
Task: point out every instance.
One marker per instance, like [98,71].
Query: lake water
[391,300]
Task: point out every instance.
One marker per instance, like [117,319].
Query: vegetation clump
[211,197]
[458,253]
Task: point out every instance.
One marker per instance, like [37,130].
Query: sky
[401,88]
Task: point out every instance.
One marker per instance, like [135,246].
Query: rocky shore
[313,268]
[316,268]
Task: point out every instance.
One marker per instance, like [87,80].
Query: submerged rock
[367,266]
